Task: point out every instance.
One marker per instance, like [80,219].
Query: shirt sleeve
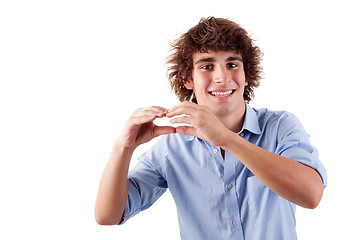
[294,143]
[145,185]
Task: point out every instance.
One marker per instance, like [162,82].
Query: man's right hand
[140,127]
[113,189]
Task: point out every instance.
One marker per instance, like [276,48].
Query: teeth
[221,93]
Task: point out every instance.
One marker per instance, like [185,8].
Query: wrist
[119,148]
[229,140]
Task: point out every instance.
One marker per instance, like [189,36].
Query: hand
[140,127]
[204,124]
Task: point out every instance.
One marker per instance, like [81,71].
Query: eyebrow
[234,59]
[213,60]
[205,60]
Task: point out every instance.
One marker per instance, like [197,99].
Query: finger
[160,111]
[135,121]
[156,108]
[144,117]
[147,113]
[182,119]
[183,104]
[163,130]
[183,108]
[187,130]
[150,111]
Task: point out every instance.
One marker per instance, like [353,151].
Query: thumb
[187,130]
[161,130]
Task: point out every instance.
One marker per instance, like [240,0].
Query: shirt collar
[251,123]
[189,137]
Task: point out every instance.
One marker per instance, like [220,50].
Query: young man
[234,172]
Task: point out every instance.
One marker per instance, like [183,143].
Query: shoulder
[279,123]
[275,118]
[265,114]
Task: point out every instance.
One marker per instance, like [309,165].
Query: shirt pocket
[258,197]
[268,212]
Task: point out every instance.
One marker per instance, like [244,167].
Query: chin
[221,111]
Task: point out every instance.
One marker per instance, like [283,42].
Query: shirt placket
[230,193]
[230,196]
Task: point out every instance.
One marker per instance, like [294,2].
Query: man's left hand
[204,124]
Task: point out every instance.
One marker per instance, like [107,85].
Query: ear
[246,82]
[189,84]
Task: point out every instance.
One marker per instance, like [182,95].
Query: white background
[72,71]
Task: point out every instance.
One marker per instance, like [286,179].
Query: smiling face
[218,81]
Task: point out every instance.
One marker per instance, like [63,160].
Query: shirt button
[229,186]
[235,222]
[215,151]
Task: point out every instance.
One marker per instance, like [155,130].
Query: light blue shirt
[220,198]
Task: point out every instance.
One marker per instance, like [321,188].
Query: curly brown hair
[212,34]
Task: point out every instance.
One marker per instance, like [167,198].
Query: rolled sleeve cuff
[133,204]
[310,159]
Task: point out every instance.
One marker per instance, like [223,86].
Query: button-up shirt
[218,197]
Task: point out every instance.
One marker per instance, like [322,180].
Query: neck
[235,120]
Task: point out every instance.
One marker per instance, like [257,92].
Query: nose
[221,75]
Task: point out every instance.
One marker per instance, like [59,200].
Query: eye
[231,65]
[207,67]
